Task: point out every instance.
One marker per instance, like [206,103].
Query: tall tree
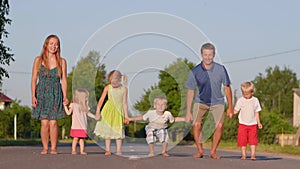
[88,73]
[274,90]
[172,85]
[5,56]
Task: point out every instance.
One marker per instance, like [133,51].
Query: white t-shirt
[247,108]
[79,119]
[158,121]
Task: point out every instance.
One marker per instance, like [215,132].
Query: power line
[263,56]
[226,62]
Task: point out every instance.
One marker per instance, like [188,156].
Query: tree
[5,56]
[24,125]
[172,85]
[88,73]
[274,90]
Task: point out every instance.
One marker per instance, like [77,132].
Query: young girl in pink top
[79,110]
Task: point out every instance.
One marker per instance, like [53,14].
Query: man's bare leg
[216,140]
[197,134]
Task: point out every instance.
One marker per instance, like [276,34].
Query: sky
[142,37]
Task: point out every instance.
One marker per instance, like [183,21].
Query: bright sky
[239,29]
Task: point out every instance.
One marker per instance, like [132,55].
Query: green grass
[272,148]
[20,142]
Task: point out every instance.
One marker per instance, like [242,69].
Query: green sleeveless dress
[49,96]
[110,125]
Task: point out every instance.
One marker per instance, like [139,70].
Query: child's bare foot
[44,151]
[150,154]
[83,153]
[243,158]
[253,158]
[107,153]
[119,153]
[165,154]
[53,152]
[74,152]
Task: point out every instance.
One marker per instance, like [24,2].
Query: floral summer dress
[49,96]
[112,116]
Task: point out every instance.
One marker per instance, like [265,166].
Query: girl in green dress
[114,113]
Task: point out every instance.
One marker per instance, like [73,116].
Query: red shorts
[247,135]
[78,133]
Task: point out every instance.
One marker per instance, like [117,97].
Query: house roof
[4,98]
[297,91]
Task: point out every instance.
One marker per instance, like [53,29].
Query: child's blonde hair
[115,78]
[159,98]
[81,97]
[247,87]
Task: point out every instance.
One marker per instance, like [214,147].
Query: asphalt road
[135,156]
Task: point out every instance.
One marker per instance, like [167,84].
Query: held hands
[188,117]
[126,120]
[230,113]
[65,101]
[97,116]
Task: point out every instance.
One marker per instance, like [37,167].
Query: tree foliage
[88,73]
[25,127]
[274,90]
[5,56]
[172,85]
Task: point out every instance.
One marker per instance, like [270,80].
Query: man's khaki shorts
[199,111]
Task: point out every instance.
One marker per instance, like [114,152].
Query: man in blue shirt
[207,79]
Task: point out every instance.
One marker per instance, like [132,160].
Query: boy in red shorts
[248,108]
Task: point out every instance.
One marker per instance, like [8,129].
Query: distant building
[4,101]
[296,114]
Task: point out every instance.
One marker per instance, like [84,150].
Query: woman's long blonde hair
[81,97]
[115,78]
[44,54]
